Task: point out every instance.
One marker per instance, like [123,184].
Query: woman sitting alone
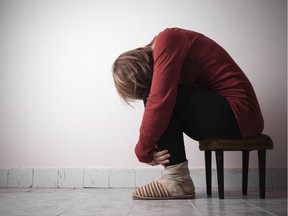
[189,84]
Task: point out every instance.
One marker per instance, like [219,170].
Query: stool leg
[245,167]
[208,172]
[220,172]
[262,172]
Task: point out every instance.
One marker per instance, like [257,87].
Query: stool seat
[261,143]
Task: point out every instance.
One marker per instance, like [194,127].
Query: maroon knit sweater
[187,57]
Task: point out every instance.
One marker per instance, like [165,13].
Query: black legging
[199,113]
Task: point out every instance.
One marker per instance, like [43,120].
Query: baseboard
[126,178]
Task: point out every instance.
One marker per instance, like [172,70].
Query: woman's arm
[170,49]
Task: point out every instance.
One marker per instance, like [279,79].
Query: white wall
[58,104]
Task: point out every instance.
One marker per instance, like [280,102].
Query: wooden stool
[260,143]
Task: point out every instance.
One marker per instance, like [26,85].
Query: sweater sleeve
[170,50]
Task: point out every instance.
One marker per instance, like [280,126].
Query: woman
[189,84]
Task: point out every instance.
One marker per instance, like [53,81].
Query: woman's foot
[176,183]
[165,188]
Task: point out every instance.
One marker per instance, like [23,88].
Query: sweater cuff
[144,149]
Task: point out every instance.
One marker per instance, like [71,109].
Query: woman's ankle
[178,171]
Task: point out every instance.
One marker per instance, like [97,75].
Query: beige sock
[181,174]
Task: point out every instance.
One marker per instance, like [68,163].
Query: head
[132,73]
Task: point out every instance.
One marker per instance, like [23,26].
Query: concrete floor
[84,202]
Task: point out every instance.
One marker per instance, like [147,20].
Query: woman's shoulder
[171,35]
[178,31]
[170,32]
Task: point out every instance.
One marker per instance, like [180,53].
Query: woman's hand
[160,158]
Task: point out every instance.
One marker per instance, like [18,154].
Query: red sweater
[187,57]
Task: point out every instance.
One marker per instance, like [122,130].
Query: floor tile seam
[71,205]
[61,213]
[190,202]
[130,209]
[257,207]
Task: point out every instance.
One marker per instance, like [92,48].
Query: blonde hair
[132,73]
